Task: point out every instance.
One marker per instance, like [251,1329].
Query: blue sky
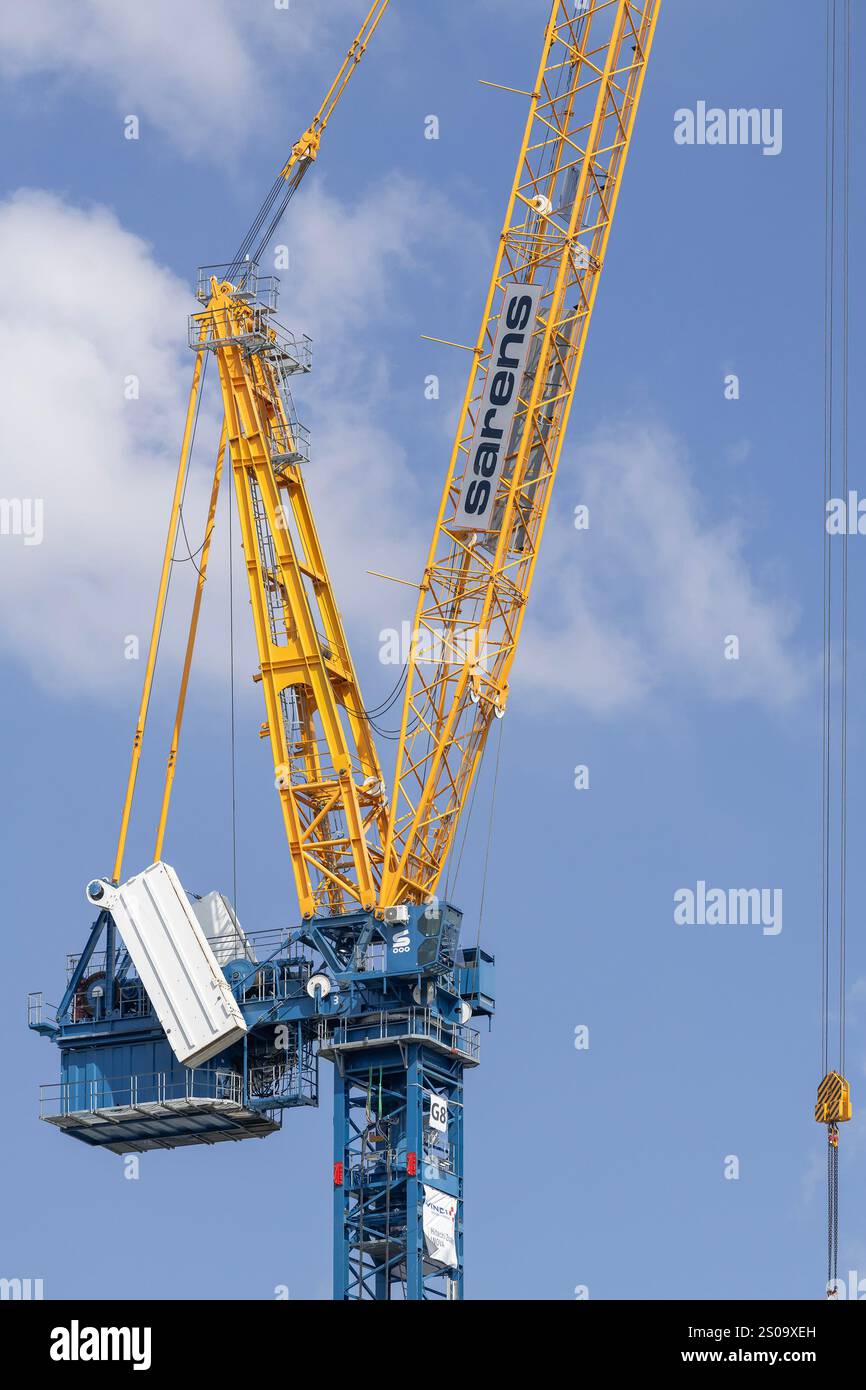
[602,1167]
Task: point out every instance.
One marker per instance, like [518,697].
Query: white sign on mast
[497,407]
[439,1113]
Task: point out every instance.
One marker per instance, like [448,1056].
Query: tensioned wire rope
[836,384]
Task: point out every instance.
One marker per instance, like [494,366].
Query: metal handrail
[263,290]
[111,1093]
[38,1011]
[403,1023]
[267,941]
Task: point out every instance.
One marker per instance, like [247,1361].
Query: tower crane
[183,1029]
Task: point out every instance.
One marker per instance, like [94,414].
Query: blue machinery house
[389,1003]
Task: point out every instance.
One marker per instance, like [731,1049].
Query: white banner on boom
[497,408]
[439,1222]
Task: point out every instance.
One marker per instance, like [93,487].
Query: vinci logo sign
[497,407]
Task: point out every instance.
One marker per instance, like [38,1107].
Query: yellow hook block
[834,1100]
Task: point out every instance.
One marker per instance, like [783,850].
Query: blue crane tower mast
[176,1027]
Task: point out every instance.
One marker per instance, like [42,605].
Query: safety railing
[296,1081]
[371,1161]
[372,958]
[287,352]
[130,1001]
[141,1088]
[251,327]
[289,445]
[257,971]
[255,983]
[223,328]
[96,964]
[249,285]
[438,1155]
[374,1164]
[38,1012]
[402,1024]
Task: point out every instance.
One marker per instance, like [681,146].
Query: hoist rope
[246,245]
[267,220]
[834,815]
[231,485]
[828,753]
[832,1209]
[843,751]
[827,694]
[453,872]
[489,836]
[185,559]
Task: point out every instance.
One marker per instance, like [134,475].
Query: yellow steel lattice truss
[348,848]
[328,774]
[477,580]
[327,770]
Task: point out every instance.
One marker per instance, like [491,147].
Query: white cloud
[344,287]
[369,518]
[642,600]
[206,73]
[648,594]
[345,259]
[86,307]
[579,657]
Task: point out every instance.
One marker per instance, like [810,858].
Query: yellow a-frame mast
[328,775]
[327,772]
